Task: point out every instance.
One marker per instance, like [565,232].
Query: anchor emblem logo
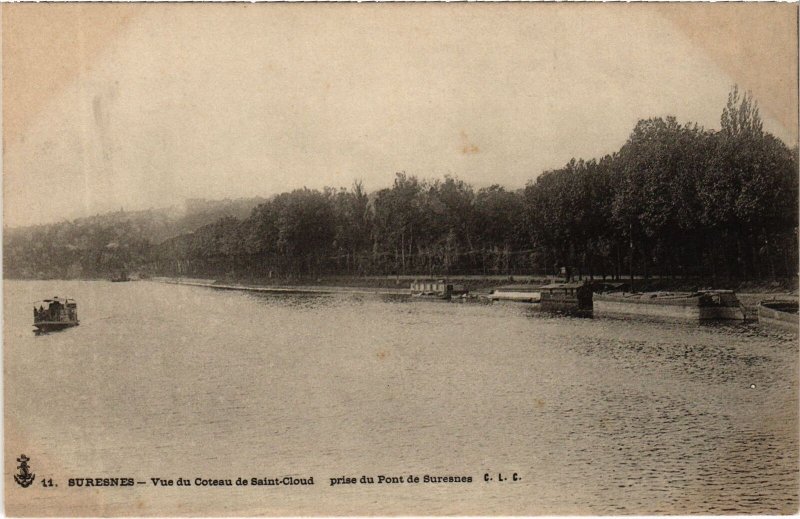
[25,477]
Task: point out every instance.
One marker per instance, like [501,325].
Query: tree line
[105,244]
[674,200]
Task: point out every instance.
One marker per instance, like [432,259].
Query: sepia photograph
[400,259]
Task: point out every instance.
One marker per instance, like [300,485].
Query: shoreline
[282,289]
[750,298]
[750,293]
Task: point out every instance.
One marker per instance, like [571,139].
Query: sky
[110,106]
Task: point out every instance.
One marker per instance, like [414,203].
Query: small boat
[121,276]
[515,294]
[692,306]
[779,314]
[55,314]
[436,290]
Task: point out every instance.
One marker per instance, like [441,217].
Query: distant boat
[779,314]
[55,314]
[120,277]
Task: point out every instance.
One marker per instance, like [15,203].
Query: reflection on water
[597,416]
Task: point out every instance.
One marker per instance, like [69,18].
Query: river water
[595,416]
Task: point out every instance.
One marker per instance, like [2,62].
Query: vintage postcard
[400,259]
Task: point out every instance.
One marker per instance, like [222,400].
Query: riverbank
[484,283]
[478,286]
[282,289]
[749,293]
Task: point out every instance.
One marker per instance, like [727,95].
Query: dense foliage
[674,200]
[106,244]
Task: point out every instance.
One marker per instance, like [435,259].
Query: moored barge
[571,298]
[779,314]
[689,306]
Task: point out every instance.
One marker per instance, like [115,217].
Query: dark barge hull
[571,298]
[54,326]
[677,307]
[431,297]
[566,307]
